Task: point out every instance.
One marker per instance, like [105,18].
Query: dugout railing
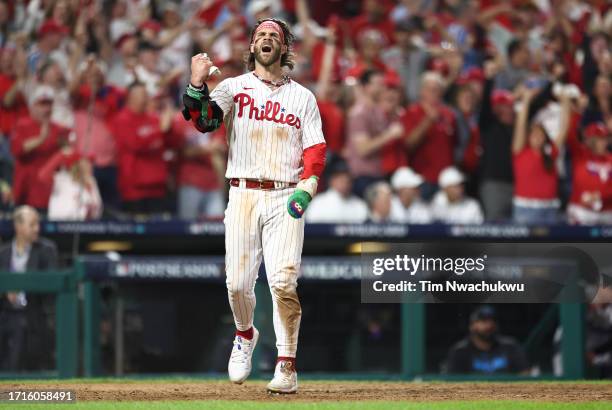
[63,284]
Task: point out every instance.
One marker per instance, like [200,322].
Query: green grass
[374,405]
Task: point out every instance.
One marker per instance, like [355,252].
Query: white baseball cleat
[239,366]
[285,378]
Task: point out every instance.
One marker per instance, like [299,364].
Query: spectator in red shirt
[430,133]
[35,139]
[591,200]
[201,165]
[13,70]
[141,140]
[534,157]
[12,79]
[368,131]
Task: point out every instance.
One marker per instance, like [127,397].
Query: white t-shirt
[268,130]
[466,211]
[71,202]
[417,213]
[331,207]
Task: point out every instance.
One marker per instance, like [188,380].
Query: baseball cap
[171,7]
[152,25]
[502,97]
[450,176]
[337,166]
[50,26]
[440,66]
[392,79]
[43,93]
[596,130]
[257,6]
[121,31]
[485,312]
[405,177]
[472,74]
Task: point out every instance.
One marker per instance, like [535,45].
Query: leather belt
[260,184]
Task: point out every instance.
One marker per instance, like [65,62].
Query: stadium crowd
[457,111]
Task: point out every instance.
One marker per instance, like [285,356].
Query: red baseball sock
[247,334]
[288,359]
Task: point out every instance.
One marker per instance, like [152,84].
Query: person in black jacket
[22,314]
[496,124]
[484,351]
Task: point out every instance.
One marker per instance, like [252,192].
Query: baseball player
[276,156]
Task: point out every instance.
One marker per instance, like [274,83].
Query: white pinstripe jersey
[268,130]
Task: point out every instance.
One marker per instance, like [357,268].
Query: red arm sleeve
[314,161]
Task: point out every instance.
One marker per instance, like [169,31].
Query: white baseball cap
[257,6]
[450,176]
[405,177]
[43,93]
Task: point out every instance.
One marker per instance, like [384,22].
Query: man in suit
[20,312]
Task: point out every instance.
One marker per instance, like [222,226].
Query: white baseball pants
[257,223]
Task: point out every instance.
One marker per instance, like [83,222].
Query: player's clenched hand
[300,199]
[200,68]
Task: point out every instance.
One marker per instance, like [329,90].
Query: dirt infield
[336,391]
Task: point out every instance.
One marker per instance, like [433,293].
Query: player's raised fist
[200,69]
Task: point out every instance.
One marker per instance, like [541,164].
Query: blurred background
[444,120]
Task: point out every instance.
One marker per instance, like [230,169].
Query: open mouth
[266,48]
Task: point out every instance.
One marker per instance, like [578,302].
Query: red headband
[271,25]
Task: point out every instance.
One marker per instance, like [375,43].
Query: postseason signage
[210,268]
[486,273]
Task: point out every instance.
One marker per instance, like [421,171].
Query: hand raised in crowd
[395,131]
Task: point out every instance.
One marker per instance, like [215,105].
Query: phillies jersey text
[268,129]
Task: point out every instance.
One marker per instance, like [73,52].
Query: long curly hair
[287,59]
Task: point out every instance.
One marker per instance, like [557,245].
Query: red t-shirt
[143,172]
[10,116]
[435,152]
[531,179]
[332,120]
[393,154]
[590,173]
[27,188]
[196,171]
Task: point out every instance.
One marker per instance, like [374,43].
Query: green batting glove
[300,199]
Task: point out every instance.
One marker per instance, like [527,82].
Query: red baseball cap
[392,79]
[499,97]
[151,25]
[440,66]
[50,26]
[472,74]
[596,130]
